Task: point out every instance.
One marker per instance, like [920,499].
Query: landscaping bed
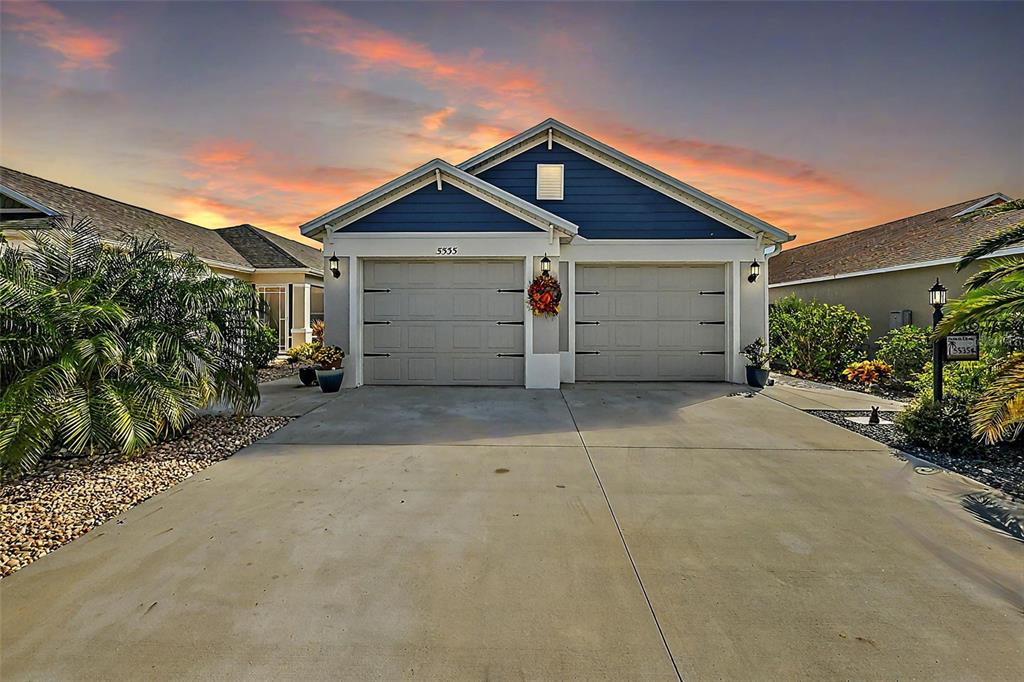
[1000,467]
[277,370]
[68,497]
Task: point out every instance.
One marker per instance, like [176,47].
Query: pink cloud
[80,46]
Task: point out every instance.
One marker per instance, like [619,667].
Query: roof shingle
[930,236]
[268,250]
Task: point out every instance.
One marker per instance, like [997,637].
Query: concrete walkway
[810,395]
[596,533]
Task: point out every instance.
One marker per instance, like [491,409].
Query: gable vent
[550,177]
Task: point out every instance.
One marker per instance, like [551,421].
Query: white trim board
[982,204]
[32,203]
[895,268]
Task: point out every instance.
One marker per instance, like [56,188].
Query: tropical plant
[261,345]
[867,372]
[815,339]
[111,348]
[994,294]
[318,331]
[906,349]
[757,354]
[944,426]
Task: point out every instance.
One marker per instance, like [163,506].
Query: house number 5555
[447,250]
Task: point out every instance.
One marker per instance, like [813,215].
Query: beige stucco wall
[876,295]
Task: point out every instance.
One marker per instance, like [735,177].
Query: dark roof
[243,246]
[930,236]
[268,250]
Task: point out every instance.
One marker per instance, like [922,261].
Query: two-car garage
[461,321]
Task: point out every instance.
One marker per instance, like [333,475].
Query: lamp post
[937,297]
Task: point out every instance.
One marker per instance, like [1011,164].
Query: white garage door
[443,322]
[650,323]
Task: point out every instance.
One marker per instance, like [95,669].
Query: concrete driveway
[599,533]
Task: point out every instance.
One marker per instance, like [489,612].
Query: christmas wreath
[544,295]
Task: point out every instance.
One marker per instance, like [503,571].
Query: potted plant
[758,357]
[329,372]
[304,354]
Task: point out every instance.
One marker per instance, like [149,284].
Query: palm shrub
[815,339]
[994,297]
[906,349]
[112,348]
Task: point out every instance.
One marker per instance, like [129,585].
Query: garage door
[443,322]
[650,323]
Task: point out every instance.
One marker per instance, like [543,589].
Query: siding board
[605,203]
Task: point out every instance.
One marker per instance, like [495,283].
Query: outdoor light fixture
[937,294]
[755,270]
[545,264]
[937,297]
[335,270]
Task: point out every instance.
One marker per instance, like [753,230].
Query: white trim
[402,186]
[295,271]
[32,203]
[982,204]
[1015,251]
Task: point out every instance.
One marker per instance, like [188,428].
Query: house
[288,275]
[659,280]
[884,272]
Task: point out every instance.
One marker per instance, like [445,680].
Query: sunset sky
[819,118]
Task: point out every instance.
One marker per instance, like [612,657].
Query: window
[550,180]
[276,315]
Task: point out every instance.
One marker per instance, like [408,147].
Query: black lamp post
[937,297]
[335,270]
[545,264]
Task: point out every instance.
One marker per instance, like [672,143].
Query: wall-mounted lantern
[545,264]
[335,269]
[755,270]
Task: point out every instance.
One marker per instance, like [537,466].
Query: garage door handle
[505,322]
[511,291]
[376,321]
[712,352]
[588,352]
[508,355]
[593,322]
[376,291]
[712,293]
[588,293]
[703,322]
[376,355]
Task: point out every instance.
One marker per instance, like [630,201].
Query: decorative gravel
[69,497]
[1001,468]
[278,370]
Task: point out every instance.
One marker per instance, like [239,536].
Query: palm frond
[994,269]
[1012,235]
[999,412]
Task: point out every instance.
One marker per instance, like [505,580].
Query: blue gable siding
[448,210]
[604,203]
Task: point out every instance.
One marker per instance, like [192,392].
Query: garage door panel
[440,322]
[656,322]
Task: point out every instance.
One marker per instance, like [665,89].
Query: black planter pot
[307,375]
[330,379]
[757,377]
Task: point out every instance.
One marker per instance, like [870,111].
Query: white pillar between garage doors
[543,360]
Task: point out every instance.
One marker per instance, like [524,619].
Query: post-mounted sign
[963,346]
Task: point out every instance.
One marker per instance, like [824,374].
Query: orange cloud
[80,46]
[375,48]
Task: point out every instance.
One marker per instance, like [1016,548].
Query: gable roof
[268,250]
[445,172]
[916,241]
[687,194]
[114,219]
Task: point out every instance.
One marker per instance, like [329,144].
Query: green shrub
[108,348]
[261,345]
[945,427]
[906,349]
[967,379]
[816,339]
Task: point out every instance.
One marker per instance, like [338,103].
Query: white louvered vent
[550,180]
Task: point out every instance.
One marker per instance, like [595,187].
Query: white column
[355,325]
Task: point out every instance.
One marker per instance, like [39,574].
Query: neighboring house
[656,276]
[288,274]
[884,272]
